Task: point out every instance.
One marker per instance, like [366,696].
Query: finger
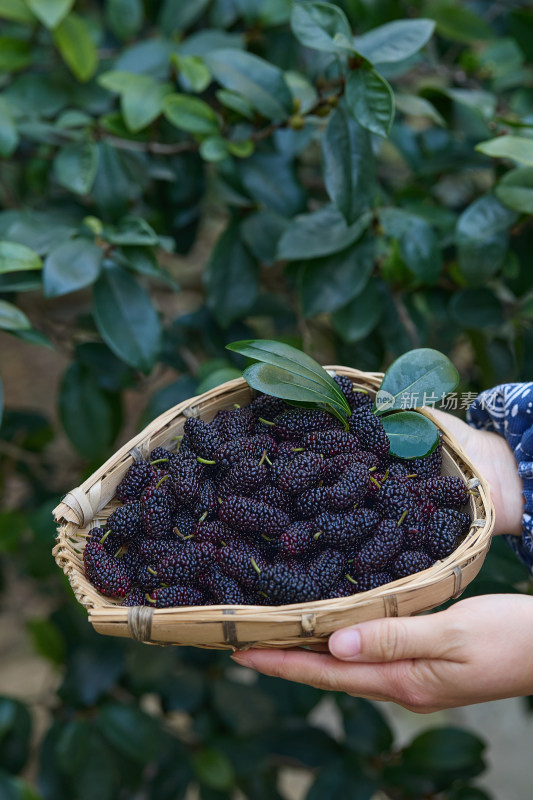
[323,671]
[395,639]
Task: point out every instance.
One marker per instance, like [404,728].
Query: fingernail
[346,644]
[240,658]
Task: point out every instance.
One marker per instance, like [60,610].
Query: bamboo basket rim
[86,502]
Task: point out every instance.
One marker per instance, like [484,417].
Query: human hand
[494,459]
[477,650]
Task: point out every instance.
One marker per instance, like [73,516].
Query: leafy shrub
[358,195]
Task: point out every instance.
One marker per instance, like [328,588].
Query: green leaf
[213,769]
[217,377]
[367,731]
[50,12]
[415,378]
[133,733]
[132,231]
[235,102]
[483,102]
[515,190]
[370,101]
[191,114]
[86,412]
[214,148]
[9,137]
[320,233]
[415,106]
[517,148]
[192,72]
[262,231]
[12,318]
[418,244]
[231,278]
[394,41]
[482,236]
[457,22]
[411,435]
[295,363]
[444,749]
[270,179]
[71,266]
[476,309]
[327,284]
[15,54]
[46,639]
[316,25]
[125,17]
[126,319]
[348,165]
[15,10]
[176,16]
[245,710]
[16,257]
[282,383]
[76,165]
[73,39]
[259,82]
[141,96]
[359,317]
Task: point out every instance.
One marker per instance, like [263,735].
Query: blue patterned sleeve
[508,410]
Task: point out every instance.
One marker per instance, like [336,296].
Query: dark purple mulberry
[273,496]
[310,503]
[135,598]
[394,501]
[213,531]
[237,563]
[356,398]
[138,476]
[444,531]
[203,439]
[186,480]
[370,431]
[171,596]
[349,489]
[156,513]
[346,529]
[267,407]
[183,523]
[130,562]
[331,443]
[253,516]
[147,578]
[104,571]
[409,562]
[224,589]
[154,550]
[298,421]
[111,541]
[429,466]
[244,478]
[377,552]
[126,521]
[207,499]
[446,491]
[286,582]
[184,566]
[297,474]
[238,423]
[299,538]
[326,569]
[371,580]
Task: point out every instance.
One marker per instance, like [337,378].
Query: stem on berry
[316,535]
[266,421]
[404,514]
[152,571]
[147,596]
[159,461]
[164,478]
[205,460]
[254,565]
[349,578]
[104,537]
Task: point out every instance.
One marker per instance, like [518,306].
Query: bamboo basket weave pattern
[241,627]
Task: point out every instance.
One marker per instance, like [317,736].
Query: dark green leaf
[71,266]
[50,12]
[262,231]
[214,148]
[15,10]
[359,317]
[444,749]
[416,106]
[73,39]
[126,319]
[414,378]
[515,190]
[213,769]
[191,114]
[20,282]
[411,435]
[9,137]
[86,412]
[176,16]
[16,257]
[348,165]
[75,166]
[231,278]
[47,639]
[132,231]
[370,101]
[420,250]
[395,40]
[15,54]
[342,780]
[457,22]
[15,740]
[270,180]
[125,17]
[327,284]
[320,233]
[12,318]
[482,236]
[476,309]
[142,102]
[468,793]
[193,74]
[288,385]
[258,81]
[243,709]
[135,734]
[517,148]
[367,731]
[287,358]
[321,26]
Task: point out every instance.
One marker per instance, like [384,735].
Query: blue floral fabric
[508,410]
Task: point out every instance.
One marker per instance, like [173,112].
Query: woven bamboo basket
[241,627]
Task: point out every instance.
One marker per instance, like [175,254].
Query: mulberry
[371,580]
[135,598]
[183,523]
[267,407]
[138,477]
[302,472]
[147,578]
[299,538]
[377,552]
[357,399]
[224,589]
[346,529]
[187,476]
[285,582]
[213,531]
[156,513]
[330,443]
[104,571]
[444,530]
[310,503]
[171,596]
[126,521]
[349,489]
[394,501]
[254,516]
[327,568]
[298,421]
[112,543]
[238,423]
[273,496]
[157,549]
[370,431]
[244,478]
[448,491]
[237,562]
[429,466]
[207,499]
[201,437]
[409,562]
[184,566]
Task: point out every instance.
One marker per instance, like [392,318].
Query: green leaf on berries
[411,435]
[418,377]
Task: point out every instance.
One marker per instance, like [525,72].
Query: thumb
[393,639]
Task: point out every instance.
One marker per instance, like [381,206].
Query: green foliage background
[361,175]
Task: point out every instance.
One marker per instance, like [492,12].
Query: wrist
[506,488]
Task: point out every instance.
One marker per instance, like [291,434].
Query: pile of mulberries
[271,504]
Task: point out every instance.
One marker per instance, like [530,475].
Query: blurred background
[355,178]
